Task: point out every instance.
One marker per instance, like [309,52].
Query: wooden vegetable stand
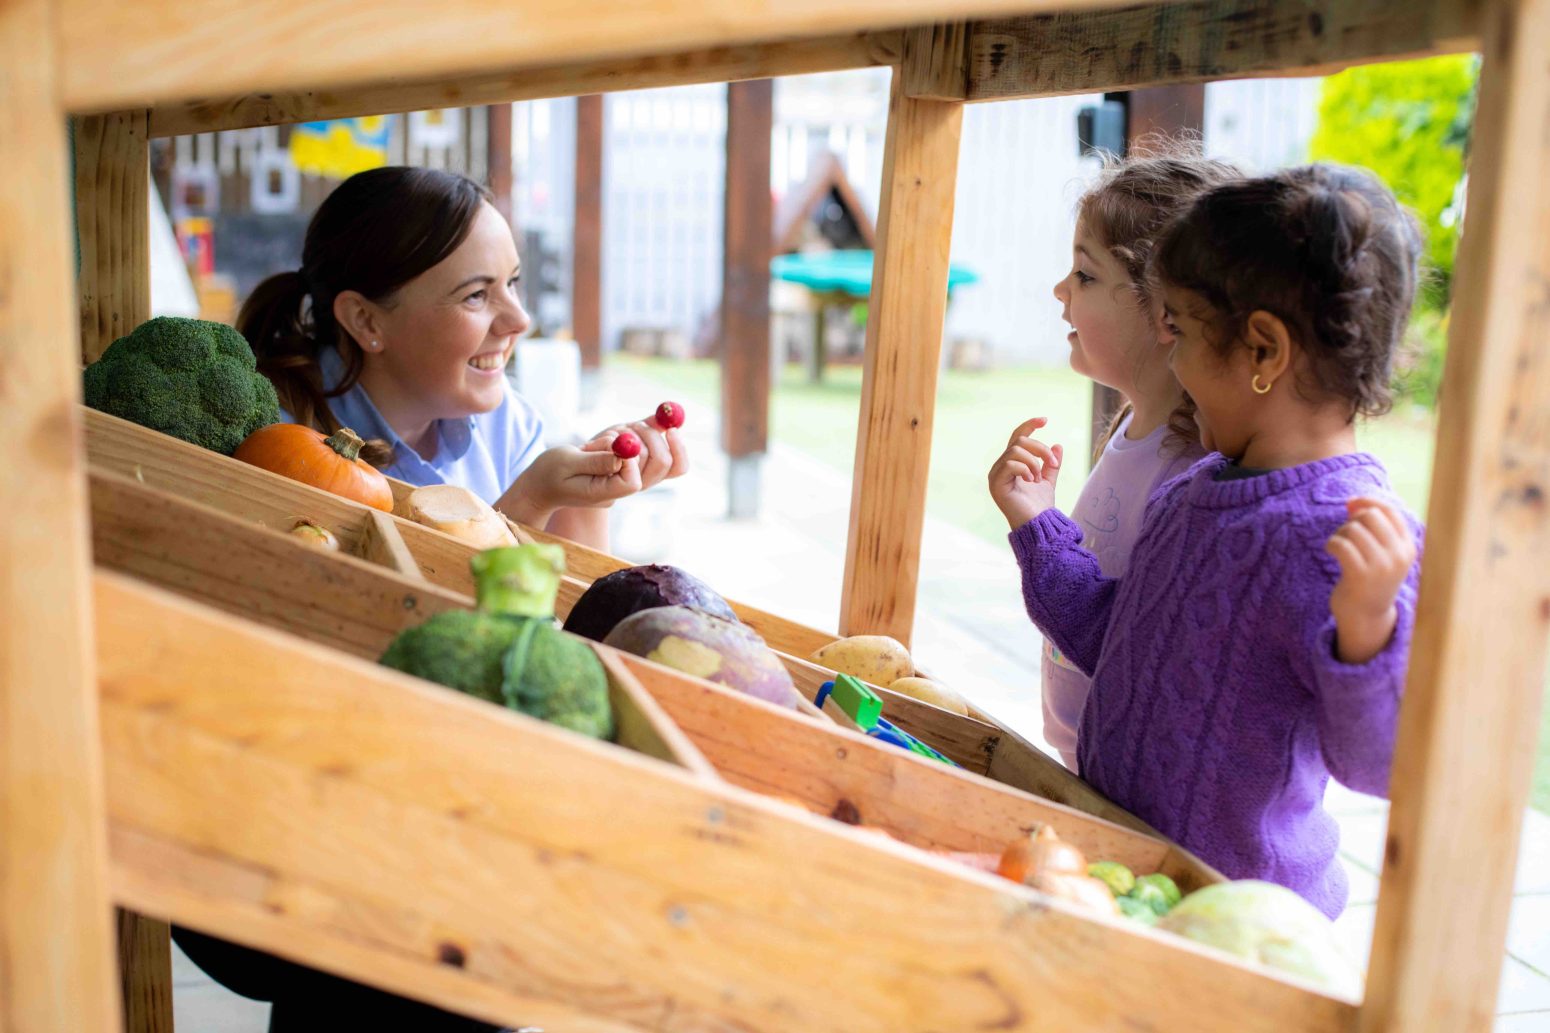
[182,736]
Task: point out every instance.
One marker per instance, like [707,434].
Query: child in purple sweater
[1257,644]
[1114,340]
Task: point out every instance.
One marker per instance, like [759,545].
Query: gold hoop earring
[1261,389]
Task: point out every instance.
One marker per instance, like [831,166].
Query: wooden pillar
[903,355]
[112,206]
[587,239]
[498,148]
[56,928]
[1168,111]
[112,214]
[1468,723]
[745,291]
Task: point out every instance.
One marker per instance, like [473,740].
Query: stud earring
[1261,389]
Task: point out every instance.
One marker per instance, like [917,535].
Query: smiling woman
[399,325]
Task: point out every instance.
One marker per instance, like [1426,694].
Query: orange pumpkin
[329,462]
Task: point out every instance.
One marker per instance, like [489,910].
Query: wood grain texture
[116,56]
[1091,51]
[745,270]
[112,212]
[936,61]
[713,64]
[56,922]
[1467,728]
[381,543]
[593,852]
[145,970]
[903,355]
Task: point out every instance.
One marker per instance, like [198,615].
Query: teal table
[838,277]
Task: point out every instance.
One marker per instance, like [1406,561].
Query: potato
[872,658]
[935,693]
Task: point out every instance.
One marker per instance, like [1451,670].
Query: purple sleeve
[1066,594]
[1358,704]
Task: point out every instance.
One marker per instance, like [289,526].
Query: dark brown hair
[1132,202]
[377,231]
[1326,249]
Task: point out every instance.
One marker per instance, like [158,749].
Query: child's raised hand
[1375,549]
[1022,481]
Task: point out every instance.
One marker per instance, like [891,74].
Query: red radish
[670,415]
[626,445]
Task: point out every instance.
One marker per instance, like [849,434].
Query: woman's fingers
[680,454]
[656,457]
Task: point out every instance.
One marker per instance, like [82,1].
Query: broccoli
[190,378]
[508,650]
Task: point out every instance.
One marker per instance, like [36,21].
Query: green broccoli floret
[508,650]
[190,378]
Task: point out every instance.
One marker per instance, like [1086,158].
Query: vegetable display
[508,650]
[330,462]
[190,378]
[459,512]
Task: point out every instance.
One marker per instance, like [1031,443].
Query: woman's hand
[662,453]
[567,476]
[1375,549]
[1022,481]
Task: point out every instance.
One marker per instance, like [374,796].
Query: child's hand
[1022,481]
[1375,549]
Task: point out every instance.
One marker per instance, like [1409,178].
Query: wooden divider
[616,877]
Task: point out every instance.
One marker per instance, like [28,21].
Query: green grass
[977,411]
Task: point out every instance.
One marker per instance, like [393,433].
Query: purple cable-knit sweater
[1218,708]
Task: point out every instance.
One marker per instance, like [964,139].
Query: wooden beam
[745,290]
[1091,51]
[586,288]
[498,117]
[903,354]
[1468,724]
[145,968]
[936,61]
[715,64]
[592,852]
[56,919]
[115,57]
[112,215]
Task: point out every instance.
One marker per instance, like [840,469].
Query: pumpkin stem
[346,442]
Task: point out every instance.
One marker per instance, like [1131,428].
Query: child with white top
[1114,340]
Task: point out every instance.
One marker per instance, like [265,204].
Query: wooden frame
[283,875]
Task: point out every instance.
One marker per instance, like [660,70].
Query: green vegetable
[1117,877]
[1170,889]
[1132,908]
[1269,924]
[1151,895]
[190,378]
[509,651]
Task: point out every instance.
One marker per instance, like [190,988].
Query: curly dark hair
[1325,248]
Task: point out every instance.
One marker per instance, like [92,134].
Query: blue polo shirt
[483,453]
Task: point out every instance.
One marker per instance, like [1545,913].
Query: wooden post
[112,206]
[587,241]
[56,929]
[903,354]
[1168,111]
[498,117]
[112,214]
[1467,727]
[745,292]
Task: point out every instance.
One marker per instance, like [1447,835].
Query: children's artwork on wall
[340,148]
[274,183]
[196,190]
[440,128]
